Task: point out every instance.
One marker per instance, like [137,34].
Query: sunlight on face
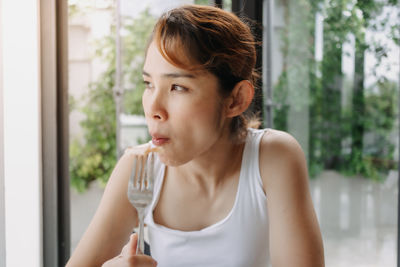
[183,109]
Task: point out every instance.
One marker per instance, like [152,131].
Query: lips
[159,140]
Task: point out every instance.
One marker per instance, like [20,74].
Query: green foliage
[202,2]
[352,137]
[94,157]
[82,7]
[134,46]
[227,5]
[379,120]
[281,109]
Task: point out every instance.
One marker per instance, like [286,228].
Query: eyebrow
[173,75]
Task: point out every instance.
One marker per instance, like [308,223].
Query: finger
[133,244]
[130,247]
[142,261]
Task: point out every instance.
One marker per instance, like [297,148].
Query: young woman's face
[183,109]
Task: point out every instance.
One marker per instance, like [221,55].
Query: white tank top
[238,240]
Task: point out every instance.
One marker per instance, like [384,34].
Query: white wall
[2,210]
[21,116]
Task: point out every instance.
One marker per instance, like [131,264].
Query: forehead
[158,68]
[155,63]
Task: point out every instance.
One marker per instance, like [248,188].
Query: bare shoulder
[281,158]
[295,236]
[280,146]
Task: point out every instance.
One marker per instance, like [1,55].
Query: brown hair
[195,37]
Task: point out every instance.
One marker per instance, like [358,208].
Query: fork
[140,190]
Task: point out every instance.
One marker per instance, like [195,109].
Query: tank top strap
[251,164]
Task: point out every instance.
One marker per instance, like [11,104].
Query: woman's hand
[128,257]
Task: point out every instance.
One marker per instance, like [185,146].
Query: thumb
[130,248]
[133,244]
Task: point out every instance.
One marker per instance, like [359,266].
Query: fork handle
[140,242]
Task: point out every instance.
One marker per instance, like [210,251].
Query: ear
[240,99]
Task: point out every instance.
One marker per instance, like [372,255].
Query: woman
[225,194]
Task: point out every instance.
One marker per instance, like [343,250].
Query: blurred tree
[135,42]
[202,2]
[337,129]
[94,157]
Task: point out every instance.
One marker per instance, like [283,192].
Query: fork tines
[142,175]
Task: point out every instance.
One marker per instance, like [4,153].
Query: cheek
[210,113]
[145,102]
[196,114]
[199,122]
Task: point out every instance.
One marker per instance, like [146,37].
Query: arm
[112,224]
[295,237]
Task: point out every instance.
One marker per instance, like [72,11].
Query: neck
[216,165]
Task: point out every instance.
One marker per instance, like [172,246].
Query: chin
[171,160]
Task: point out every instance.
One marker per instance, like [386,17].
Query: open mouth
[159,141]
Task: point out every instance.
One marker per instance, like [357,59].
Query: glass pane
[89,29]
[227,5]
[335,67]
[201,2]
[92,89]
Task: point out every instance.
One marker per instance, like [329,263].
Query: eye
[178,88]
[148,85]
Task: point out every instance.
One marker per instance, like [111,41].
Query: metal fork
[140,190]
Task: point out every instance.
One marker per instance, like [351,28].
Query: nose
[154,104]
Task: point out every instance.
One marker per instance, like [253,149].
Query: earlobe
[240,98]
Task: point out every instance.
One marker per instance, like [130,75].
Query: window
[334,83]
[105,81]
[330,78]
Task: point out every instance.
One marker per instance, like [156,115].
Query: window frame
[55,131]
[2,197]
